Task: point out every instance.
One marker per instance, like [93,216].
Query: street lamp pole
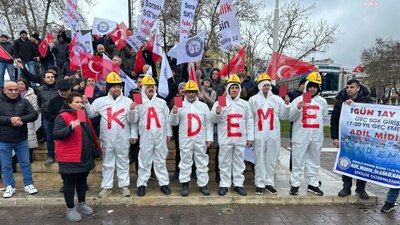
[275,35]
[130,14]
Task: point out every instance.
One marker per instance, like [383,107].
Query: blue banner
[370,143]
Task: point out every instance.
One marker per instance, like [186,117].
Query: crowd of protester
[127,131]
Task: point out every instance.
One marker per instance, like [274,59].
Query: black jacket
[55,106]
[62,131]
[25,50]
[60,50]
[15,107]
[38,78]
[363,96]
[9,48]
[45,93]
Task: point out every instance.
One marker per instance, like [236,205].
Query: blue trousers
[22,151]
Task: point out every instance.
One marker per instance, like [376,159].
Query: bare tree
[382,64]
[36,16]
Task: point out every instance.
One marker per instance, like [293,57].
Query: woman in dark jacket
[75,145]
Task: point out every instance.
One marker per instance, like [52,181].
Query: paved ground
[221,214]
[216,215]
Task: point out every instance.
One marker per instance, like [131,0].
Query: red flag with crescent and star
[236,64]
[358,69]
[119,35]
[96,67]
[44,45]
[282,66]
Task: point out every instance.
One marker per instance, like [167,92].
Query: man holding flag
[6,61]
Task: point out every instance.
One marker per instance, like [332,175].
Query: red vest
[70,148]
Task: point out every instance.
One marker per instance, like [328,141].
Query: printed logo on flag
[81,47]
[103,26]
[194,47]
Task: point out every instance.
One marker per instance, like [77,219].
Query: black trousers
[347,183]
[74,181]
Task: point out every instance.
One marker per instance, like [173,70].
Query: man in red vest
[195,136]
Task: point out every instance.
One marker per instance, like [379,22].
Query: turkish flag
[119,34]
[74,61]
[155,47]
[282,66]
[44,45]
[139,63]
[4,54]
[96,67]
[236,63]
[192,73]
[358,69]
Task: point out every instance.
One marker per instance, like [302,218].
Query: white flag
[83,43]
[165,74]
[150,71]
[188,8]
[157,49]
[102,26]
[129,83]
[189,50]
[229,34]
[136,40]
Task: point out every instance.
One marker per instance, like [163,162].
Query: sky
[360,23]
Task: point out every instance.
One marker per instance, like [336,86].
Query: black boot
[185,189]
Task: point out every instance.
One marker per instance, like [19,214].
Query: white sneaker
[9,192]
[30,189]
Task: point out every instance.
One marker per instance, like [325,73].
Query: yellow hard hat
[262,77]
[314,77]
[191,86]
[233,78]
[113,78]
[148,80]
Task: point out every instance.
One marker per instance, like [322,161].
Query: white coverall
[235,128]
[267,112]
[115,134]
[195,129]
[307,139]
[152,119]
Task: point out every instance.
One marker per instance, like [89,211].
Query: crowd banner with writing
[71,16]
[370,143]
[229,34]
[188,8]
[150,11]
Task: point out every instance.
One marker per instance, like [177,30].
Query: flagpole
[229,66]
[275,35]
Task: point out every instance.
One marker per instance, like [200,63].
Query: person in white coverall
[235,132]
[155,132]
[115,134]
[308,136]
[267,110]
[195,136]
